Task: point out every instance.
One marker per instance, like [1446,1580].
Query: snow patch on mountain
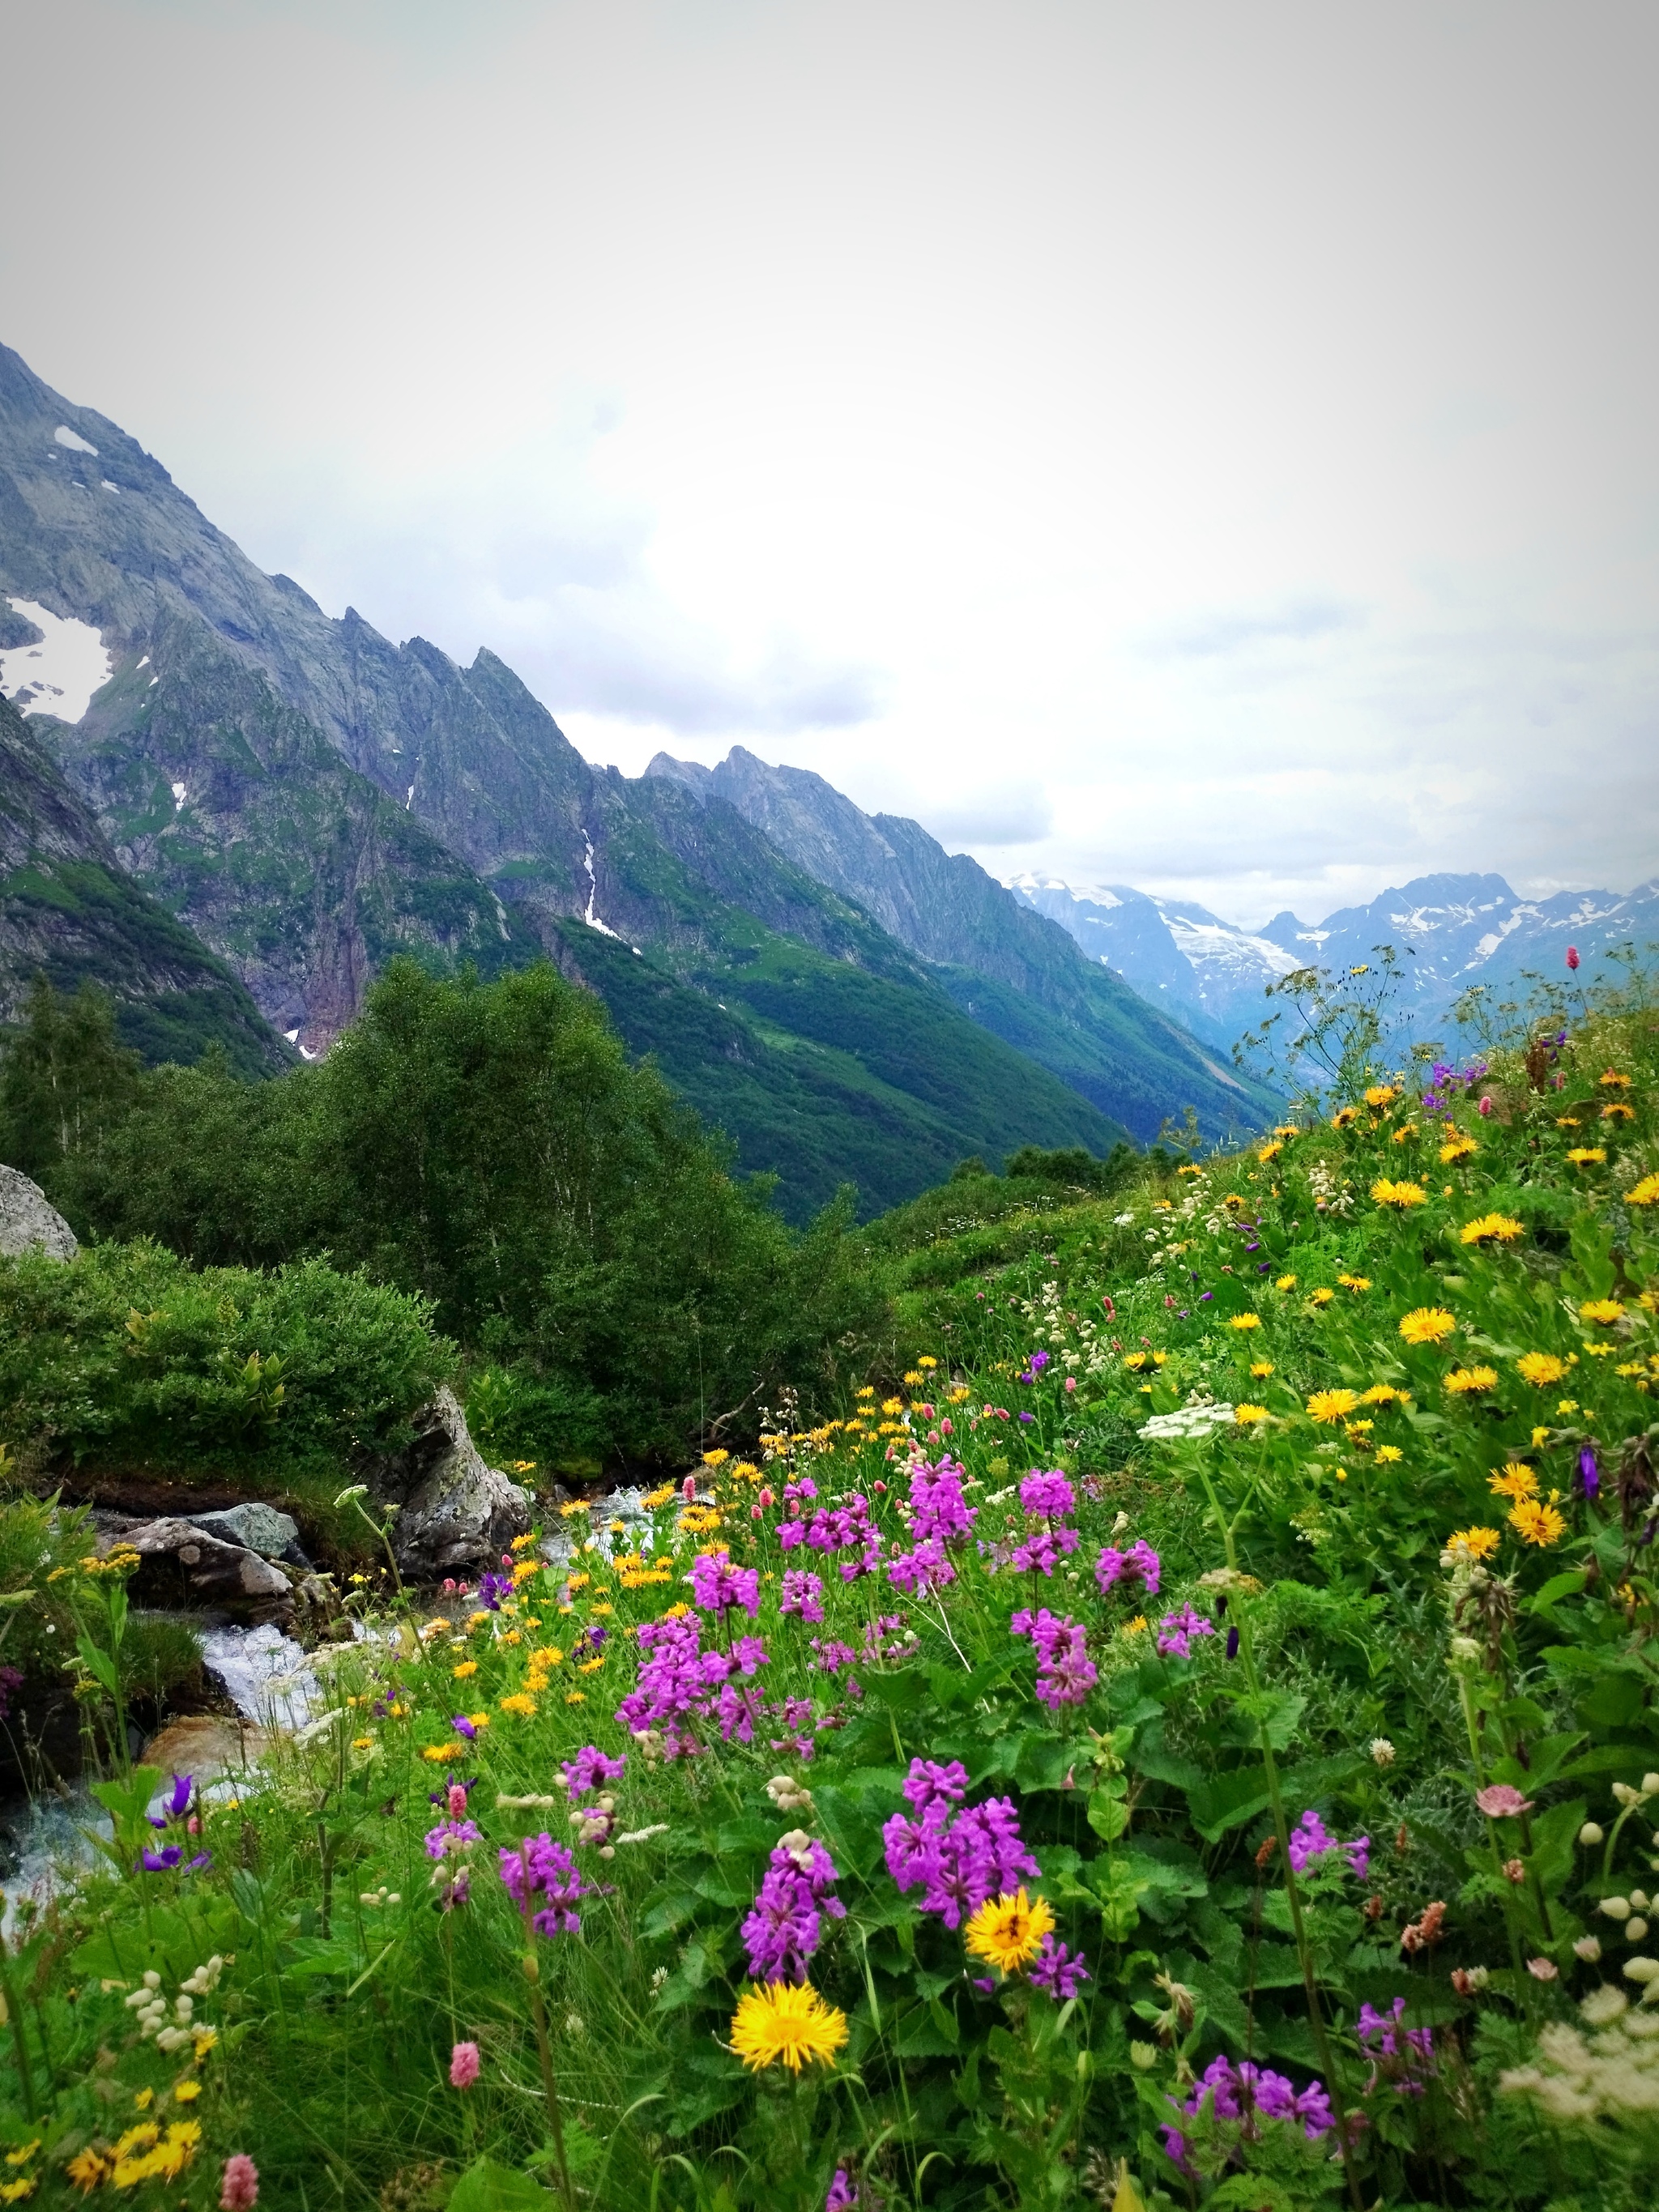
[59,675]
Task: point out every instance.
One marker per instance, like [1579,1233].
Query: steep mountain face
[310,799]
[69,911]
[1010,967]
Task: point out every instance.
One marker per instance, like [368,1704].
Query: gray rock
[27,1220]
[456,1514]
[255,1527]
[175,1551]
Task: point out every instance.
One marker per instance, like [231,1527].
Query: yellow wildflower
[1586,1156]
[1616,1110]
[1321,1297]
[1245,1321]
[1402,1194]
[1513,1482]
[1008,1931]
[468,1667]
[1247,1415]
[1355,1282]
[519,1703]
[1261,1369]
[1332,1406]
[1645,1192]
[788,2023]
[1387,1454]
[1457,1147]
[1604,1310]
[1474,1543]
[1381,1094]
[1535,1523]
[187,2092]
[1613,1081]
[1492,1229]
[1463,1382]
[1267,1152]
[1384,1393]
[1541,1368]
[1285,1283]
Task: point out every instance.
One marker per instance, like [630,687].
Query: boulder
[211,1570]
[27,1221]
[456,1514]
[256,1528]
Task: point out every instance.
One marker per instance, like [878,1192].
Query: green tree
[66,1084]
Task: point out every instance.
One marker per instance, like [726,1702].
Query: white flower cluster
[1188,1421]
[150,2007]
[1613,2073]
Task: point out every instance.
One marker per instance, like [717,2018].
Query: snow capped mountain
[1452,932]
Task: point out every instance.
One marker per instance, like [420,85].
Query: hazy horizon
[1202,448]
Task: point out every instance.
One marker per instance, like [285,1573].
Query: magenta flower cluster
[720,1588]
[1248,2093]
[539,1868]
[802,1593]
[1066,1673]
[680,1682]
[786,1925]
[925,1568]
[956,1857]
[1311,1839]
[938,1511]
[847,1528]
[1177,1629]
[589,1768]
[1046,1499]
[1056,1971]
[1140,1563]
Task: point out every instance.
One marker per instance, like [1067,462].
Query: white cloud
[1210,450]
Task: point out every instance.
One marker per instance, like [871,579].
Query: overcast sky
[1211,448]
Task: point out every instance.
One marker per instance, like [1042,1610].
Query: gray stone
[27,1221]
[174,1552]
[255,1527]
[456,1514]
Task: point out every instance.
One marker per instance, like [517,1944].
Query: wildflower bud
[1639,1900]
[767,1500]
[689,1489]
[880,1488]
[1143,2056]
[1542,1970]
[1588,1948]
[1642,1970]
[1514,1870]
[1650,1785]
[1635,1929]
[1381,1751]
[1373,1908]
[1591,1834]
[1625,1796]
[532,1972]
[1616,1908]
[1485,1107]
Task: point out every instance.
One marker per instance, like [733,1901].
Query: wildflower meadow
[1182,1735]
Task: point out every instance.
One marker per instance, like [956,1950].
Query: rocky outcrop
[257,1527]
[182,1561]
[28,1222]
[456,1514]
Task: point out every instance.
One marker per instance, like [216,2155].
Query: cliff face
[70,911]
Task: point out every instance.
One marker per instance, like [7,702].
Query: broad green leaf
[488,2186]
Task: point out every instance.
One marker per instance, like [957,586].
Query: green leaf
[488,2186]
[1109,1815]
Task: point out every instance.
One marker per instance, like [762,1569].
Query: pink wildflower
[1502,1801]
[463,2065]
[238,2189]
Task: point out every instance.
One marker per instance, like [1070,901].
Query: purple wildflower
[450,1837]
[1176,1629]
[1232,1642]
[1588,1473]
[1248,2094]
[462,1726]
[178,1802]
[492,1588]
[784,1929]
[1311,1839]
[1066,1673]
[541,1868]
[843,2195]
[938,1509]
[719,1587]
[678,1681]
[589,1768]
[1385,2038]
[832,1656]
[1139,1564]
[1057,1973]
[925,1569]
[957,1858]
[1046,1496]
[803,1594]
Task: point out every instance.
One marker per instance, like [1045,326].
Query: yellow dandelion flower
[519,1703]
[1586,1156]
[1541,1368]
[1514,1483]
[1008,1932]
[1604,1310]
[1566,1120]
[1567,1406]
[1359,1428]
[362,1743]
[1134,1360]
[1616,1110]
[1285,1283]
[1247,1415]
[1613,1081]
[1464,1382]
[1267,1152]
[716,1458]
[1344,1116]
[1535,1523]
[1384,1393]
[786,2023]
[13,2192]
[1492,1229]
[1645,1192]
[1475,1543]
[467,1668]
[23,2153]
[1332,1406]
[1387,1454]
[1135,1627]
[142,2099]
[87,2170]
[575,1697]
[1456,1148]
[1261,1369]
[1245,1321]
[1381,1094]
[187,2092]
[440,1755]
[1355,1282]
[658,1497]
[1321,1297]
[1402,1194]
[138,2138]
